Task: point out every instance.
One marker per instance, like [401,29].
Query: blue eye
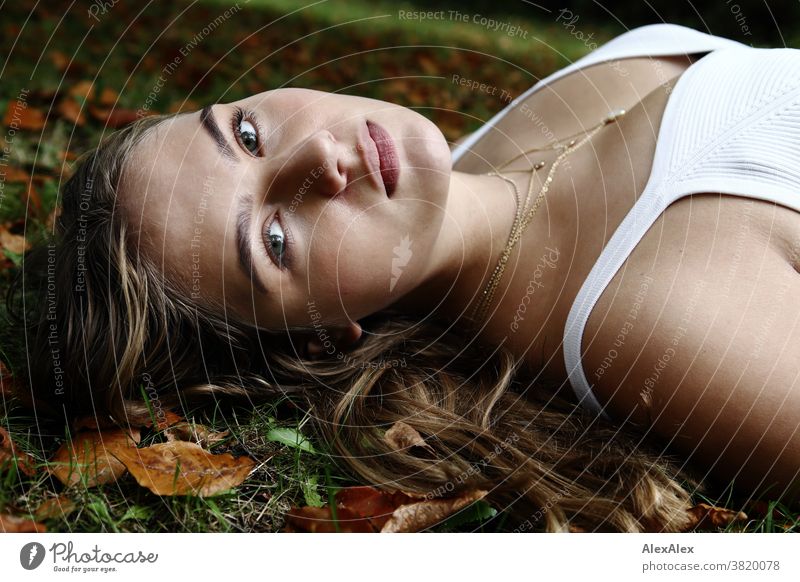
[275,242]
[246,132]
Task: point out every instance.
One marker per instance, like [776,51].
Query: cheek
[349,264]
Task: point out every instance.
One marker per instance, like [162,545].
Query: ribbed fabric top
[731,125]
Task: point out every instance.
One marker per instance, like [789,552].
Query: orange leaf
[367,509]
[82,90]
[54,507]
[16,175]
[108,97]
[71,111]
[19,524]
[402,436]
[32,194]
[113,118]
[181,468]
[164,418]
[320,520]
[418,516]
[60,60]
[19,114]
[90,457]
[8,452]
[706,516]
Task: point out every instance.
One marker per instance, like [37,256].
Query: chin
[429,157]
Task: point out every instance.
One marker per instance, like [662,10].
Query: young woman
[627,226]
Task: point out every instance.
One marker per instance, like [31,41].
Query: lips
[387,154]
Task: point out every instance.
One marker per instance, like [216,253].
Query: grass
[357,47]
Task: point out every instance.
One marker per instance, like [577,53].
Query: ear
[343,338]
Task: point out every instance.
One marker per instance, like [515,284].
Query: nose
[316,166]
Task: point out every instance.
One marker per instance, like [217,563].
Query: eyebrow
[243,219]
[208,121]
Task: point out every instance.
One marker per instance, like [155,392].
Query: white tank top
[731,125]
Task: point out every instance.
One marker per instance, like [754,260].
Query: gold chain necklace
[524,215]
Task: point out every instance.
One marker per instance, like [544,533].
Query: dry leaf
[319,520]
[13,174]
[164,418]
[418,516]
[16,243]
[54,507]
[113,118]
[90,457]
[402,436]
[181,468]
[195,433]
[367,509]
[704,516]
[32,195]
[60,60]
[108,97]
[82,90]
[21,115]
[19,524]
[70,110]
[8,452]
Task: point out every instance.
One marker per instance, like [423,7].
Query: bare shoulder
[697,338]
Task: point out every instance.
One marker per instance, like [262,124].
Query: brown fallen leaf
[195,433]
[417,516]
[113,118]
[54,507]
[320,520]
[23,116]
[89,458]
[14,174]
[108,97]
[16,243]
[164,419]
[60,60]
[402,436]
[32,195]
[70,110]
[183,468]
[704,516]
[367,509]
[9,452]
[82,90]
[19,524]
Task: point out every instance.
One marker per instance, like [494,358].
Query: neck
[479,215]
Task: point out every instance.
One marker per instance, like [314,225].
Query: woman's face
[276,205]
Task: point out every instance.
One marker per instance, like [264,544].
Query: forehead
[177,197]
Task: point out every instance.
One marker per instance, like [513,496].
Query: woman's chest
[602,183]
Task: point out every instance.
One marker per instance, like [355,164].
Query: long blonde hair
[103,324]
